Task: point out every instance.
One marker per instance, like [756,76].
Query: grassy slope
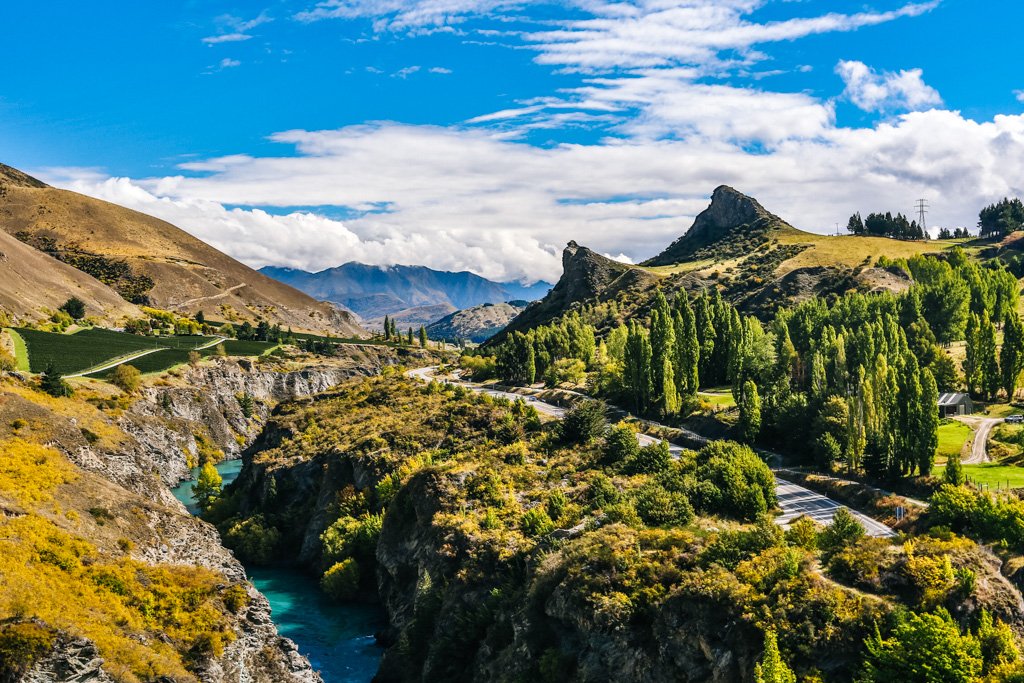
[952,437]
[190,275]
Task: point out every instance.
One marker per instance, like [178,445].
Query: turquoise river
[336,638]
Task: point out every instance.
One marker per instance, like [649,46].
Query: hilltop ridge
[144,259]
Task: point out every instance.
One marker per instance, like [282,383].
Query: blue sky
[484,134]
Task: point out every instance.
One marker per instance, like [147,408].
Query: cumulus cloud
[886,91]
[468,199]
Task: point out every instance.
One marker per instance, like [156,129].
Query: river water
[336,638]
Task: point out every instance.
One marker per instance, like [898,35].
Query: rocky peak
[730,213]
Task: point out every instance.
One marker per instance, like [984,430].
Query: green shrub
[923,647]
[733,481]
[341,581]
[660,507]
[844,530]
[127,378]
[649,459]
[584,423]
[74,307]
[536,522]
[253,539]
[620,444]
[351,537]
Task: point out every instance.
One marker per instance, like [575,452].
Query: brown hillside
[31,281]
[190,275]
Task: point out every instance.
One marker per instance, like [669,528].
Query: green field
[995,475]
[718,397]
[20,351]
[952,437]
[71,353]
[166,359]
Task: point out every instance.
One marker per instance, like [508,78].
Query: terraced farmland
[71,353]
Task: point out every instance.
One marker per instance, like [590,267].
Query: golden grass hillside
[190,275]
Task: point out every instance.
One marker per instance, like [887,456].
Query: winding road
[794,500]
[979,450]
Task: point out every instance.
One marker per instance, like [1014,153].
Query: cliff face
[587,277]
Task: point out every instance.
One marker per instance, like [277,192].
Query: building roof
[953,398]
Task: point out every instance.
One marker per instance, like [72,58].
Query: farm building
[955,404]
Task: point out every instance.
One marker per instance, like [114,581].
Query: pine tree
[771,668]
[52,382]
[750,412]
[1011,357]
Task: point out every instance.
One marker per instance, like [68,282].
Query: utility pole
[922,209]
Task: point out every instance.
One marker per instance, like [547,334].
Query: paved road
[795,500]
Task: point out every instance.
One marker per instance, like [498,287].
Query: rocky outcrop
[587,277]
[166,422]
[732,215]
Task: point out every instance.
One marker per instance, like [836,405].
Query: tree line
[853,383]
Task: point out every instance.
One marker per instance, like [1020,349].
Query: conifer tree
[954,474]
[423,336]
[409,338]
[771,668]
[387,328]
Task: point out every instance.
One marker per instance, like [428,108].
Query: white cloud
[235,29]
[440,70]
[886,91]
[469,199]
[228,63]
[406,72]
[1019,94]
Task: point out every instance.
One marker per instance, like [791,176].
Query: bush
[569,370]
[536,522]
[127,378]
[924,647]
[22,644]
[649,459]
[660,507]
[253,539]
[601,492]
[844,530]
[733,481]
[352,537]
[7,362]
[74,307]
[341,581]
[584,423]
[620,444]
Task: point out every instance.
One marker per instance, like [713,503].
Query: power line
[922,210]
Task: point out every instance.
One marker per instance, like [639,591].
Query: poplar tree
[387,328]
[423,336]
[687,357]
[410,337]
[663,343]
[988,365]
[928,423]
[971,363]
[1011,357]
[668,402]
[771,668]
[637,373]
[750,412]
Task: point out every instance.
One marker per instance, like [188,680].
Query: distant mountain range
[375,291]
[477,324]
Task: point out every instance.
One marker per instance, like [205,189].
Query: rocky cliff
[587,277]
